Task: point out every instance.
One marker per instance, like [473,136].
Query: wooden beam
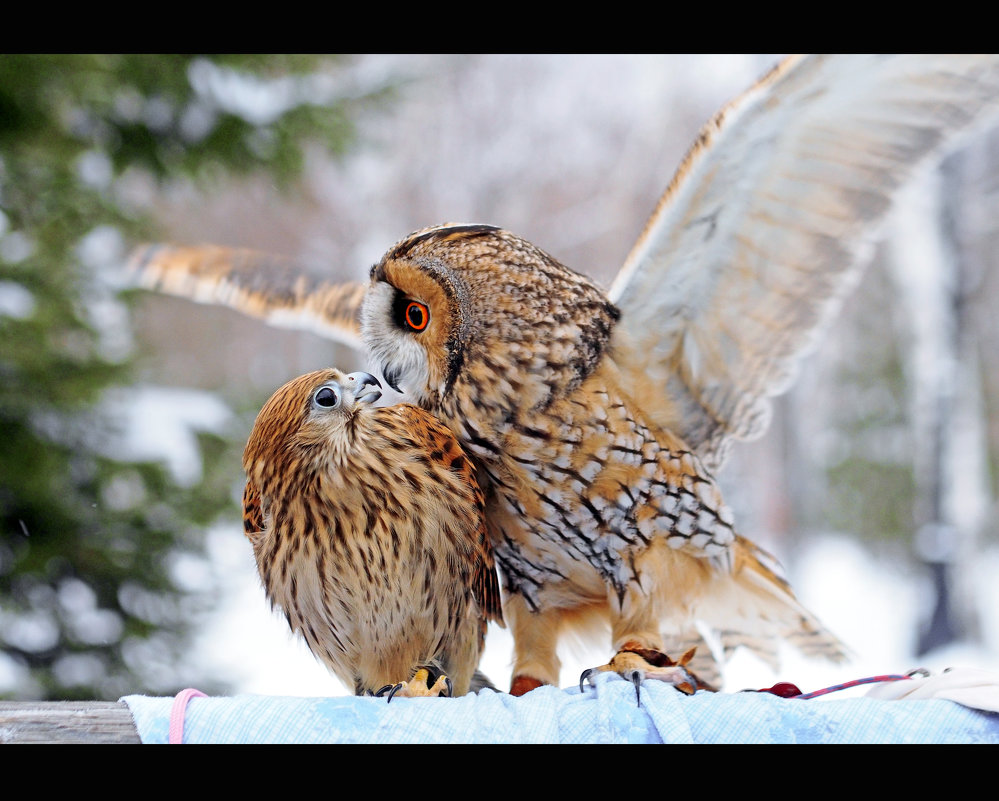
[84,722]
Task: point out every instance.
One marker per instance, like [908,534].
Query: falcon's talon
[419,686]
[390,690]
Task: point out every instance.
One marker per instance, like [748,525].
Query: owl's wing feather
[258,284]
[765,225]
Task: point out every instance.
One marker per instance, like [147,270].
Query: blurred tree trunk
[936,275]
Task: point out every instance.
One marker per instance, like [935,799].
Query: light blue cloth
[604,714]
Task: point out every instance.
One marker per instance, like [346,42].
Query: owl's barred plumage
[597,420]
[368,531]
[595,511]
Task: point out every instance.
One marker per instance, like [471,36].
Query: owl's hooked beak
[391,375]
[360,383]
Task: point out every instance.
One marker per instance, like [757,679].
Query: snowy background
[570,152]
[873,606]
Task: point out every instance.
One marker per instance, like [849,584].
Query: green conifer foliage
[91,605]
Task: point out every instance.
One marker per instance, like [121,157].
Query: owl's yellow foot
[419,686]
[635,663]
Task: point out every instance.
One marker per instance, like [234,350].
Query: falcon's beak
[360,383]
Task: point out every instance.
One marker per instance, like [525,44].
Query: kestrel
[368,531]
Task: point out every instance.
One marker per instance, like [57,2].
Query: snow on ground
[872,606]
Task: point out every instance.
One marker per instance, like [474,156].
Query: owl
[597,511]
[598,419]
[368,529]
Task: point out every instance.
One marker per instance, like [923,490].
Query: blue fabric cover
[607,713]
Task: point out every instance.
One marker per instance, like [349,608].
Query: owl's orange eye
[417,315]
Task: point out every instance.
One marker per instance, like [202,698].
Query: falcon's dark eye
[416,315]
[326,397]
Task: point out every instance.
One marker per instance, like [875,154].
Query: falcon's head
[309,422]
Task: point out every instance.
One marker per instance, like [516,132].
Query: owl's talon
[635,677]
[635,664]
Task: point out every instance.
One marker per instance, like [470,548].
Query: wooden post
[84,722]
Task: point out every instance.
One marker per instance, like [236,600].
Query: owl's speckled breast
[587,485]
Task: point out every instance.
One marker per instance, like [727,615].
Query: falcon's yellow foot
[636,663]
[419,686]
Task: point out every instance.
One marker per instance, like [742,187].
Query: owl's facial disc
[393,326]
[404,367]
[391,375]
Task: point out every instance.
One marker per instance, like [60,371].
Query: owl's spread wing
[763,229]
[260,285]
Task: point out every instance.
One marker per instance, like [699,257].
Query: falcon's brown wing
[441,445]
[253,513]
